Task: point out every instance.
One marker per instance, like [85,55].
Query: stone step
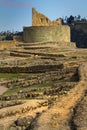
[36,47]
[19,54]
[17,48]
[58,44]
[36,44]
[26,53]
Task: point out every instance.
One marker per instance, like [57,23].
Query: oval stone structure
[46,33]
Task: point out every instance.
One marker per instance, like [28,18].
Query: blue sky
[14,14]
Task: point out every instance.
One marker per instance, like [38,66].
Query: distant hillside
[79,34]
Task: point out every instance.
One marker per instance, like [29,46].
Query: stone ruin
[45,30]
[39,19]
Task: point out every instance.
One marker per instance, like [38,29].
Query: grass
[15,90]
[42,85]
[12,91]
[7,44]
[10,75]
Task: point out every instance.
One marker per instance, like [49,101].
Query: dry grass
[7,44]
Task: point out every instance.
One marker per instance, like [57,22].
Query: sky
[15,14]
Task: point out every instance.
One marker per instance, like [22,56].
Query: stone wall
[50,33]
[39,19]
[31,69]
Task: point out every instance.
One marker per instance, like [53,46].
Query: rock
[13,128]
[19,128]
[25,121]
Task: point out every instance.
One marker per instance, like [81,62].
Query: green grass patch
[11,75]
[12,91]
[42,85]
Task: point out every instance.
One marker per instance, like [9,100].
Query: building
[45,30]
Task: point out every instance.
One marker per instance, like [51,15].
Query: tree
[78,18]
[70,20]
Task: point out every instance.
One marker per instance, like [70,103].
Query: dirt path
[80,117]
[2,89]
[59,117]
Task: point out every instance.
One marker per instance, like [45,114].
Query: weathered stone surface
[9,103]
[49,33]
[29,69]
[24,121]
[39,19]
